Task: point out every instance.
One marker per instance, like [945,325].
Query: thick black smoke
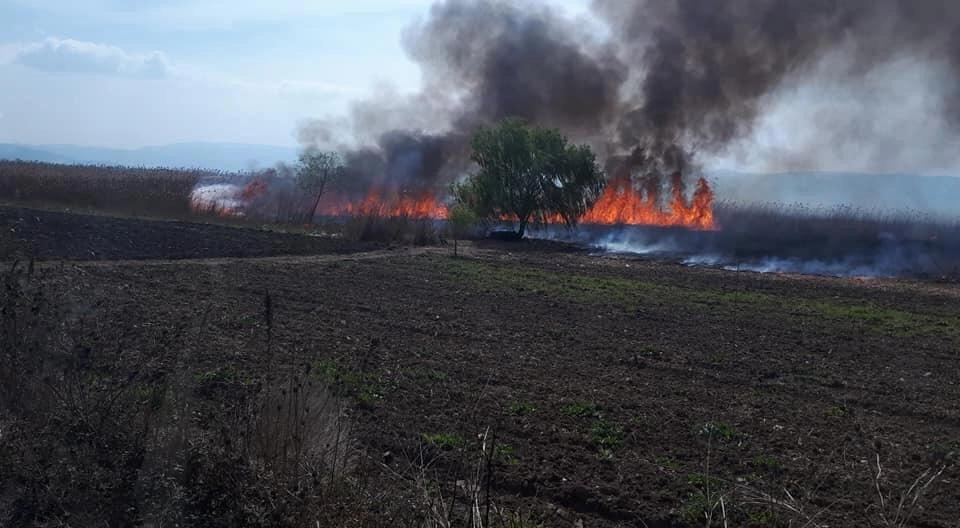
[706,67]
[667,78]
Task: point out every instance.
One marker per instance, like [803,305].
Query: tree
[461,220]
[316,171]
[530,174]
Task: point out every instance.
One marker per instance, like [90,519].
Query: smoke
[883,122]
[663,80]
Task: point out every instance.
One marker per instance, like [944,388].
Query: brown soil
[621,392]
[48,235]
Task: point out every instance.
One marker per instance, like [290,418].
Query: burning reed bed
[171,194]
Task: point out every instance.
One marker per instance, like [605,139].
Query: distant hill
[880,193]
[11,152]
[212,156]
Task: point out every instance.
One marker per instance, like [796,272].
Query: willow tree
[530,174]
[316,172]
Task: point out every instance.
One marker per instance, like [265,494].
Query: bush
[373,227]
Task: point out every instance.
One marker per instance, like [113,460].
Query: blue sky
[125,73]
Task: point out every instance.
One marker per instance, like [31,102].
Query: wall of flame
[622,203]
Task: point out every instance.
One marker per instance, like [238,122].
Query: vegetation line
[632,292]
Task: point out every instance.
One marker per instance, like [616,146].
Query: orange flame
[622,203]
[377,203]
[253,190]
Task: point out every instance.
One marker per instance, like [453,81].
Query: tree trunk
[316,203]
[523,227]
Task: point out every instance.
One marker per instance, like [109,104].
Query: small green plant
[947,451]
[706,504]
[717,359]
[149,394]
[666,462]
[325,371]
[434,375]
[766,463]
[580,410]
[835,411]
[606,437]
[246,321]
[521,408]
[505,454]
[700,480]
[762,518]
[696,508]
[517,520]
[720,431]
[446,441]
[220,376]
[650,351]
[364,387]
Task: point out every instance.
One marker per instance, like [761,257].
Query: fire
[254,190]
[623,203]
[378,203]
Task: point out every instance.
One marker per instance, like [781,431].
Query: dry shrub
[73,432]
[94,437]
[297,429]
[373,227]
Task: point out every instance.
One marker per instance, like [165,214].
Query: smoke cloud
[661,80]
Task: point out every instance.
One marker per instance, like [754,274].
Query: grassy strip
[632,293]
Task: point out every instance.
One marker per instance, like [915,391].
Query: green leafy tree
[530,174]
[462,220]
[317,171]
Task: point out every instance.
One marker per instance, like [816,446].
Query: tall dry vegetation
[141,191]
[920,244]
[97,435]
[165,193]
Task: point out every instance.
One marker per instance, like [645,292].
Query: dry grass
[137,191]
[94,437]
[373,227]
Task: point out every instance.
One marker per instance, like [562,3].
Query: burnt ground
[620,392]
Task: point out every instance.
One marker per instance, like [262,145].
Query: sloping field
[614,392]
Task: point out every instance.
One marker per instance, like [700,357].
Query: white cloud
[214,14]
[222,14]
[75,56]
[58,55]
